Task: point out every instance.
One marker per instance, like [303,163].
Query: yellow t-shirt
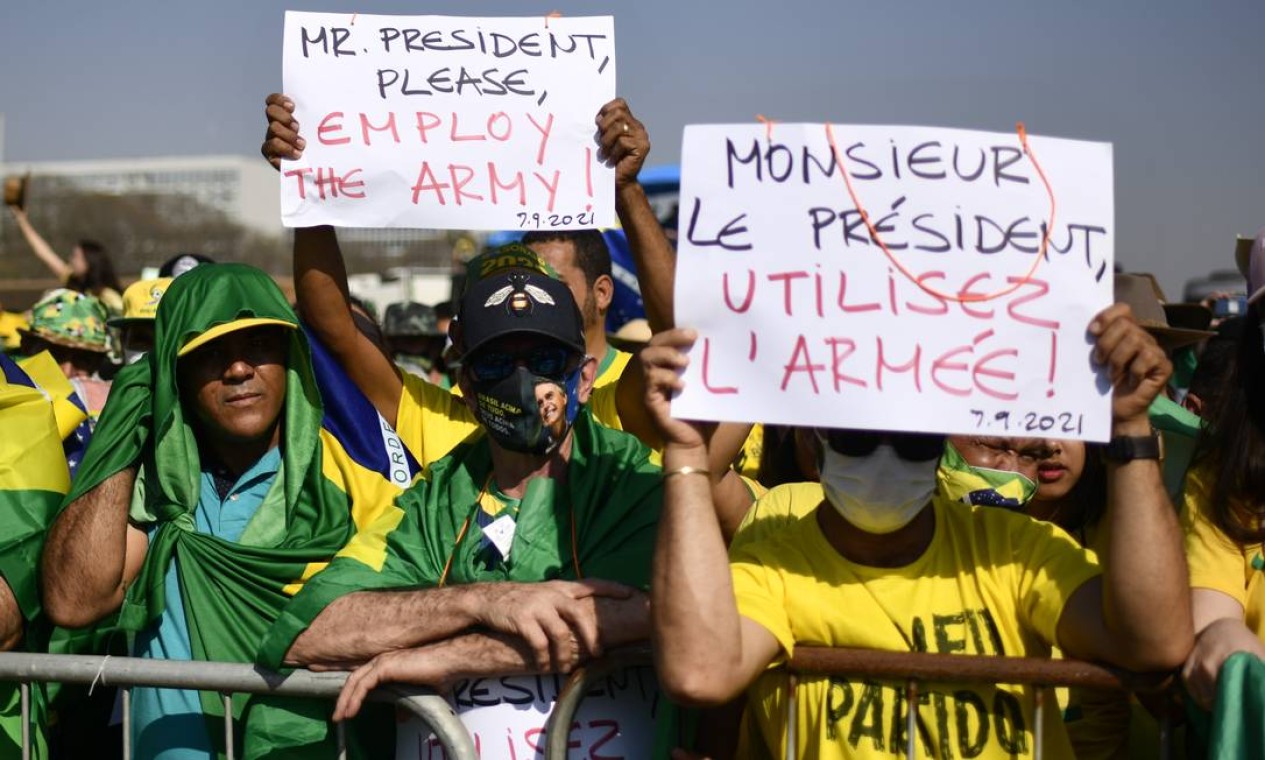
[611,367]
[991,582]
[1218,563]
[432,421]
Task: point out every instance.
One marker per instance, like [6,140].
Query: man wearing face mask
[490,564]
[877,561]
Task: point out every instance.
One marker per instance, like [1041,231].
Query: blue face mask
[528,413]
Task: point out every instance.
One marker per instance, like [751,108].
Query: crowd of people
[193,468]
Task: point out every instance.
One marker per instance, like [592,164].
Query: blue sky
[1175,86]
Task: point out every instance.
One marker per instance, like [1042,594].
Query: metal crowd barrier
[910,667]
[225,678]
[231,678]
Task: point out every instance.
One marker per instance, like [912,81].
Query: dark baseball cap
[504,258]
[519,301]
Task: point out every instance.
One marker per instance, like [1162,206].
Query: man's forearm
[623,621]
[82,574]
[485,653]
[1145,588]
[357,627]
[11,621]
[652,253]
[697,630]
[320,283]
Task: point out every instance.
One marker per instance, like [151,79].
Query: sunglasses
[545,361]
[912,447]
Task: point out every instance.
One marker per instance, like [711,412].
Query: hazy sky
[1177,87]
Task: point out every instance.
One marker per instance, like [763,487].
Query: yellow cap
[140,300]
[224,329]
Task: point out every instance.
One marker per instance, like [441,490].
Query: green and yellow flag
[982,486]
[599,523]
[33,480]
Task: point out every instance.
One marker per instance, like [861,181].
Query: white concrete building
[245,189]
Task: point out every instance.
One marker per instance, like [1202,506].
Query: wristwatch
[1126,448]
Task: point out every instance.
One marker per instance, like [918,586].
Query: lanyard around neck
[465,527]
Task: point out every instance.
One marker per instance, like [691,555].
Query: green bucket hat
[68,318]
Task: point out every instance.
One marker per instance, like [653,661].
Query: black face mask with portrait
[505,404]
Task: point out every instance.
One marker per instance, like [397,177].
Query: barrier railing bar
[557,727]
[1038,730]
[226,678]
[227,700]
[960,668]
[911,720]
[232,677]
[435,711]
[25,690]
[127,723]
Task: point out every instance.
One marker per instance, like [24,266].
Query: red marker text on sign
[455,128]
[328,183]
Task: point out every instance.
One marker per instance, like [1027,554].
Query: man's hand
[427,665]
[1213,646]
[663,359]
[624,141]
[1135,363]
[557,619]
[282,140]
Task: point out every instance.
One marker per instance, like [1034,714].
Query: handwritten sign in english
[448,123]
[970,321]
[507,717]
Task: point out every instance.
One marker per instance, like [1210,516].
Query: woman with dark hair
[89,269]
[1224,519]
[1072,489]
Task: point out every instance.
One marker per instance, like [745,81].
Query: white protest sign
[448,123]
[506,717]
[959,326]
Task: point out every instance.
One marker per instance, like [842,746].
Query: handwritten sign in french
[965,320]
[507,717]
[448,123]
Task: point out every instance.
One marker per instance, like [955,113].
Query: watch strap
[1126,448]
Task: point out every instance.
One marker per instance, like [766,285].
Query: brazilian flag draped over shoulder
[33,480]
[232,592]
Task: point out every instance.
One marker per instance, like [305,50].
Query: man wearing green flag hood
[209,493]
[489,566]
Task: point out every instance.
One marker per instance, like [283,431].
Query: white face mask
[131,356]
[879,493]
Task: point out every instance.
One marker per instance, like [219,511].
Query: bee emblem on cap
[518,296]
